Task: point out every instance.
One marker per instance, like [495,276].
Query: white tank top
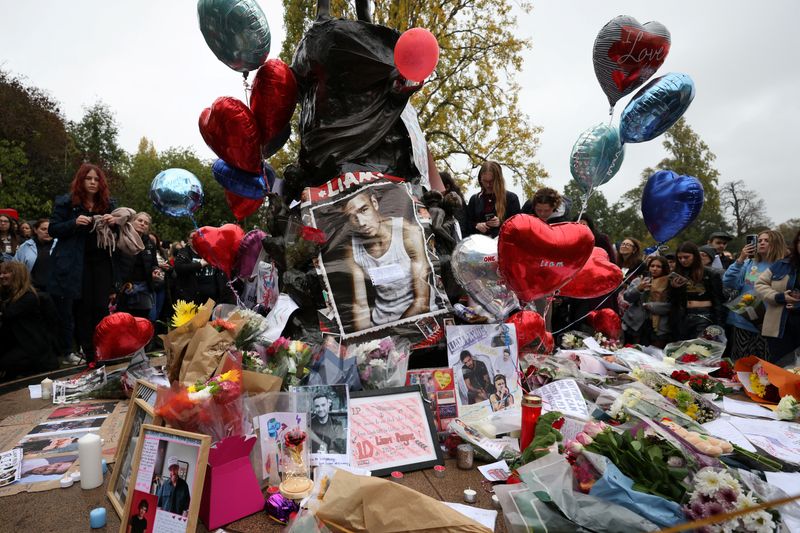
[390,275]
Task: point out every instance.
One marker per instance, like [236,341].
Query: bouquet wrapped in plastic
[382,363]
[700,351]
[213,407]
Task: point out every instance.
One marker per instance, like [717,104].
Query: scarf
[658,293]
[129,241]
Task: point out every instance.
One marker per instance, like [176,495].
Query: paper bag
[255,382]
[205,351]
[176,340]
[356,503]
[786,382]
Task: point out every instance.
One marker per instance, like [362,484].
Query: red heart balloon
[536,259]
[273,98]
[121,334]
[218,246]
[598,276]
[529,326]
[606,321]
[242,207]
[229,128]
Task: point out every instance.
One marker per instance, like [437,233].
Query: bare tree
[745,207]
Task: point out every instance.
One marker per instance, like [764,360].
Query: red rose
[314,235]
[689,358]
[681,375]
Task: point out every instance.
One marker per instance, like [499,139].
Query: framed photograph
[140,411]
[158,499]
[392,429]
[327,423]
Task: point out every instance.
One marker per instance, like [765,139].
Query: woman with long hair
[35,254]
[27,345]
[25,231]
[8,238]
[741,277]
[646,321]
[779,286]
[493,205]
[695,293]
[629,257]
[457,209]
[81,280]
[135,273]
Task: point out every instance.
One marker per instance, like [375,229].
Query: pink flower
[592,429]
[584,439]
[574,447]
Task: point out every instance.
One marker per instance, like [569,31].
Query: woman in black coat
[493,205]
[27,343]
[134,273]
[81,280]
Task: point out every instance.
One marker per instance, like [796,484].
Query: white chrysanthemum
[378,363]
[200,395]
[708,481]
[746,500]
[669,361]
[759,522]
[730,482]
[787,408]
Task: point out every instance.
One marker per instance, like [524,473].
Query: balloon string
[610,114]
[609,295]
[585,202]
[247,90]
[201,233]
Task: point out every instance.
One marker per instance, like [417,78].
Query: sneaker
[73,359]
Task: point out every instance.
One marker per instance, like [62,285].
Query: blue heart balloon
[238,181]
[596,156]
[236,31]
[656,107]
[670,203]
[176,192]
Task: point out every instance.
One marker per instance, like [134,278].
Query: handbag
[137,296]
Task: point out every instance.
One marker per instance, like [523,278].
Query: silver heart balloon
[474,263]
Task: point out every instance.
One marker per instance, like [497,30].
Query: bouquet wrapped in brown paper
[195,347]
[357,503]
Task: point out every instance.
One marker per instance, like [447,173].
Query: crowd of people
[753,296]
[91,258]
[60,276]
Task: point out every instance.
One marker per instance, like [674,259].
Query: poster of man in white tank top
[378,270]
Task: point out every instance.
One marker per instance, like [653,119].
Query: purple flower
[697,508]
[727,496]
[713,508]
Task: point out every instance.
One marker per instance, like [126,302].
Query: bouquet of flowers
[764,382]
[654,464]
[788,408]
[701,351]
[572,340]
[749,306]
[716,492]
[305,247]
[289,360]
[382,363]
[702,383]
[213,407]
[689,402]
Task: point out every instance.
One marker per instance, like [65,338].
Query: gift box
[231,490]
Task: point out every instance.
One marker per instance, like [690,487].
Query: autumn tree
[469,108]
[35,150]
[745,207]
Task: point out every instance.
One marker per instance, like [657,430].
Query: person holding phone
[695,293]
[646,319]
[493,205]
[761,251]
[779,286]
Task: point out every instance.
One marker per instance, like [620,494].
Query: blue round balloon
[176,192]
[238,181]
[656,107]
[670,203]
[596,156]
[236,31]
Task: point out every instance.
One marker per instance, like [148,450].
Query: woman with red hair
[81,279]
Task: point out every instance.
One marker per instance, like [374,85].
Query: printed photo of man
[476,378]
[327,434]
[389,252]
[173,494]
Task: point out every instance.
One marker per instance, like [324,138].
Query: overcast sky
[147,59]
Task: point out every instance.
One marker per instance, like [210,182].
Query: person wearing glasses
[493,205]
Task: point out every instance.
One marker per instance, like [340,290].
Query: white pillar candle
[90,455]
[470,496]
[47,388]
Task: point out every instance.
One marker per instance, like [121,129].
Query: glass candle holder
[295,462]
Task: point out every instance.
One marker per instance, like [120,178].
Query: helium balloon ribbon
[585,202]
[247,89]
[609,295]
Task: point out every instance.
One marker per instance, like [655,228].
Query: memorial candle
[90,456]
[531,410]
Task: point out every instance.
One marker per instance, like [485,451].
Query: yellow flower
[231,375]
[191,388]
[755,383]
[184,313]
[747,298]
[692,410]
[670,391]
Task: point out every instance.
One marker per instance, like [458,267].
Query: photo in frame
[392,430]
[140,411]
[158,498]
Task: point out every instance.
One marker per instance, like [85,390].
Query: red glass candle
[531,410]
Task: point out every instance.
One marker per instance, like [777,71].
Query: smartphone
[675,275]
[751,239]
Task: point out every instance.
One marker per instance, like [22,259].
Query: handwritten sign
[391,432]
[563,396]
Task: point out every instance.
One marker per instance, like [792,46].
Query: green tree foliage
[789,229]
[597,208]
[31,124]
[687,155]
[95,137]
[469,108]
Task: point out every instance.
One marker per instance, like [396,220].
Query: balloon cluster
[244,135]
[626,54]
